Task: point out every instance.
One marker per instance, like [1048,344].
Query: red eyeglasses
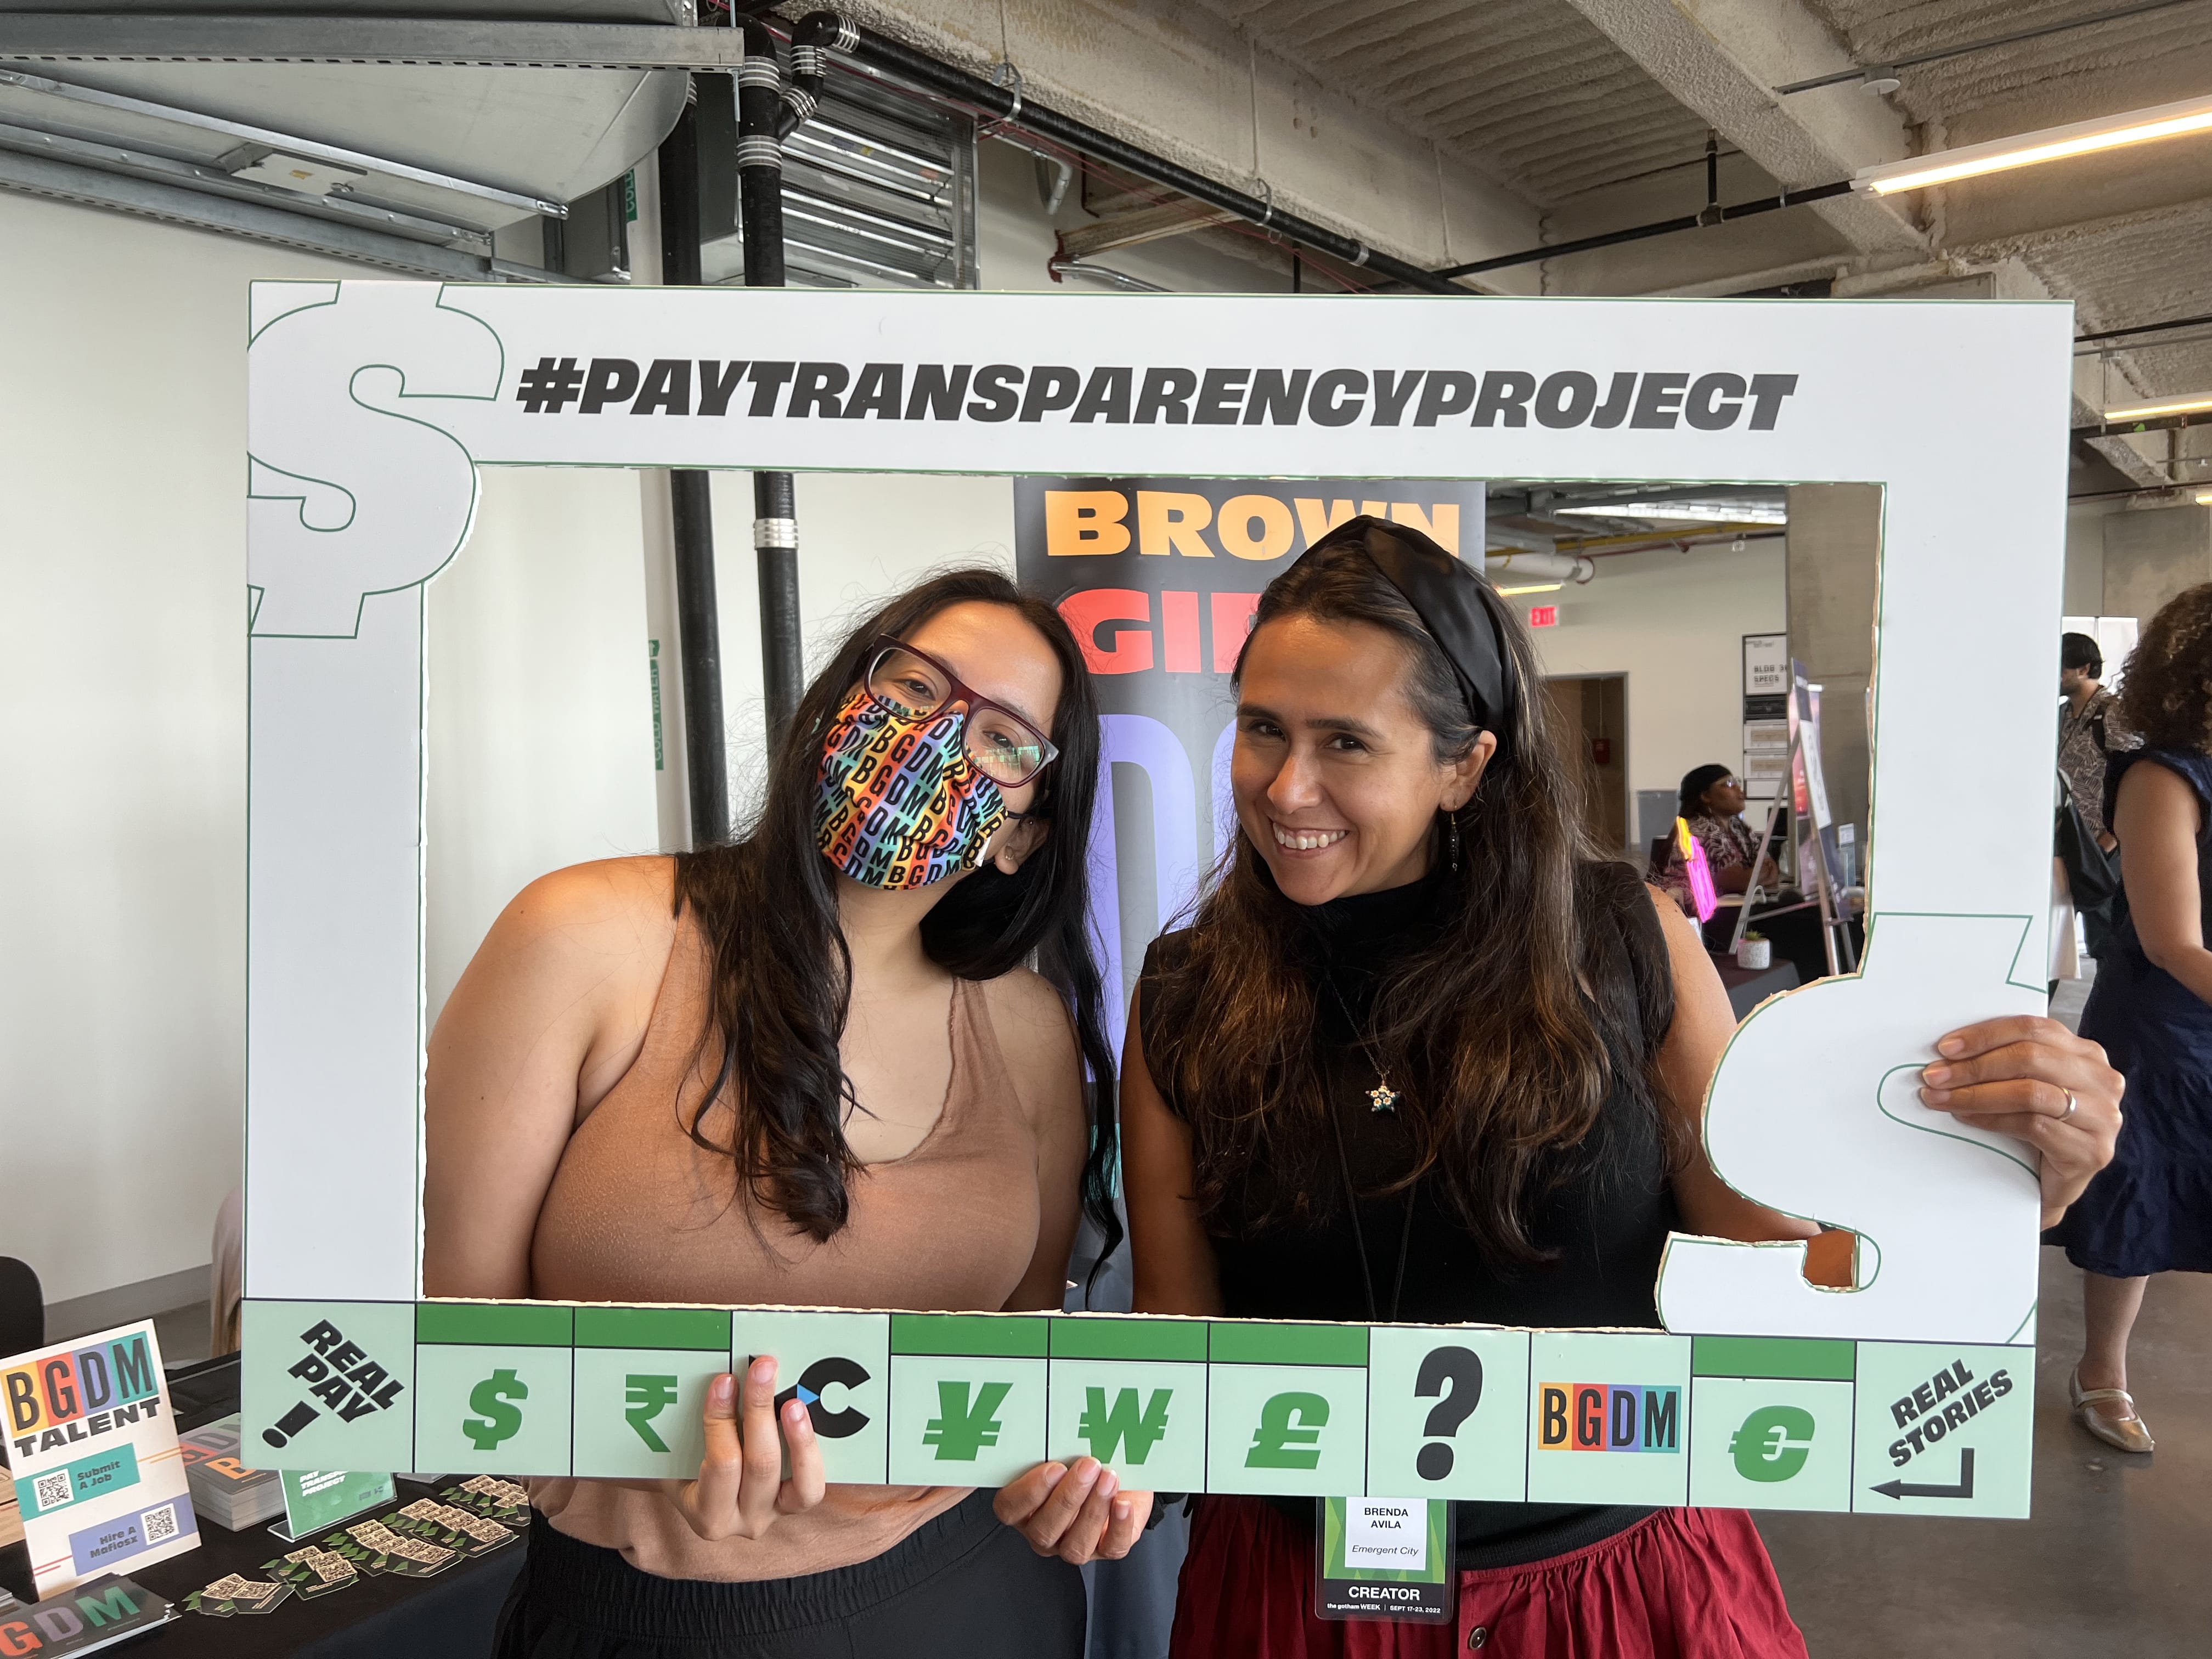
[911,684]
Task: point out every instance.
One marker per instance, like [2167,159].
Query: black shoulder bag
[2092,875]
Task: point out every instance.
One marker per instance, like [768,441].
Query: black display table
[452,1616]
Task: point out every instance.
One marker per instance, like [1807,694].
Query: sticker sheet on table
[1173,1405]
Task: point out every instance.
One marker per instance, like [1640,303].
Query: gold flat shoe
[2122,1428]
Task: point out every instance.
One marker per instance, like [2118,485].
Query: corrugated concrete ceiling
[1533,95]
[2140,53]
[2128,237]
[1523,91]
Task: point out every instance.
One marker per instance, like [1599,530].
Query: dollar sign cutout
[493,1397]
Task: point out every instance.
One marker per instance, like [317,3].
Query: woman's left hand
[1076,1511]
[2031,1077]
[741,1491]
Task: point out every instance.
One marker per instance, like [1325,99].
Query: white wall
[1674,622]
[123,740]
[540,705]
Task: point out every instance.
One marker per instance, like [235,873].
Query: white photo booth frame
[373,403]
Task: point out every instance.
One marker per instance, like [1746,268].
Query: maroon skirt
[1680,1585]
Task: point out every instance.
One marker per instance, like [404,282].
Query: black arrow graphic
[1964,1488]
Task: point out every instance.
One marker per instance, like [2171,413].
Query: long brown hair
[782,987]
[1504,1028]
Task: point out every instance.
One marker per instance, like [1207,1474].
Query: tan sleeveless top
[638,1213]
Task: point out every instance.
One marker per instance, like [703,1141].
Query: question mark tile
[1476,1403]
[802,1342]
[1608,1417]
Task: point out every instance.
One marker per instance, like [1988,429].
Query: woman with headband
[839,1062]
[1420,1057]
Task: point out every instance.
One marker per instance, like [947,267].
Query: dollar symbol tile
[494,1398]
[492,1388]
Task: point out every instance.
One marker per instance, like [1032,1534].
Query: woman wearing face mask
[1418,1057]
[806,1068]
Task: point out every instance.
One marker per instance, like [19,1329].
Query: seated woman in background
[808,1068]
[1713,804]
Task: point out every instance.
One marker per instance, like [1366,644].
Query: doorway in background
[1592,711]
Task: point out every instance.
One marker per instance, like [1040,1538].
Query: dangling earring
[1451,823]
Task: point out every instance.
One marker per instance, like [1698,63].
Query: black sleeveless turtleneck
[1604,1224]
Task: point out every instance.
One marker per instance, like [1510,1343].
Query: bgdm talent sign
[373,407]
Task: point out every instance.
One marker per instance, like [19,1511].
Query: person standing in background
[2150,1209]
[2090,725]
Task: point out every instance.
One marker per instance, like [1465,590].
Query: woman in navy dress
[2150,1209]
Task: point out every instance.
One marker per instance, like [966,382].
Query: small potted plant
[1755,952]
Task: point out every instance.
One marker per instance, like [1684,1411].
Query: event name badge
[1383,1558]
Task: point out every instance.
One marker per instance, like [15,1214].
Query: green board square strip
[997,1336]
[495,1324]
[702,1328]
[1264,1342]
[1091,1336]
[1800,1358]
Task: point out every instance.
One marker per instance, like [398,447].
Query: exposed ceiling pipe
[1107,274]
[1545,567]
[1711,214]
[769,111]
[1008,105]
[1840,77]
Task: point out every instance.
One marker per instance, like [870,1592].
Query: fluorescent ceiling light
[2205,498]
[2029,149]
[1692,512]
[2182,405]
[1553,587]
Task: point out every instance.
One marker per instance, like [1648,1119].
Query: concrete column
[2153,554]
[1835,546]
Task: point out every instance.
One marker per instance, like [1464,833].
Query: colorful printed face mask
[901,805]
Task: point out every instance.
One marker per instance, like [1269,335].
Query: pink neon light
[1703,894]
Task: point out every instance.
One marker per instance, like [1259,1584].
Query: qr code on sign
[50,1492]
[160,1523]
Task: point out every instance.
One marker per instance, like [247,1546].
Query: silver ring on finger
[2072,1106]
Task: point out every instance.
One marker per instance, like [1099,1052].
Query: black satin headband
[1453,603]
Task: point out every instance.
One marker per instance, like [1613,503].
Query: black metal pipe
[1660,227]
[2142,328]
[2155,423]
[691,512]
[760,128]
[1007,104]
